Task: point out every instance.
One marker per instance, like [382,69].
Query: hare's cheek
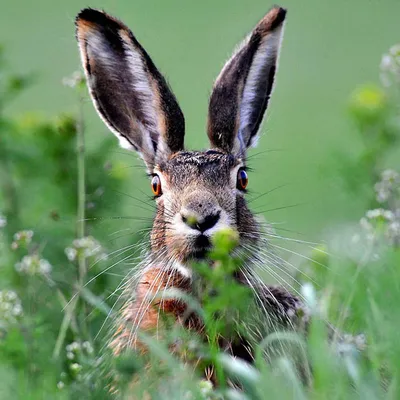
[178,247]
[171,205]
[174,241]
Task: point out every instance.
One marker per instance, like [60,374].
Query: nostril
[208,222]
[201,224]
[190,220]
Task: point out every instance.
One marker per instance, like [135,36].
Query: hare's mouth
[201,246]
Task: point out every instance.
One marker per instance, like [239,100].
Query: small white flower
[71,253]
[86,247]
[11,295]
[60,385]
[23,237]
[388,187]
[379,213]
[75,367]
[17,310]
[395,51]
[3,221]
[88,347]
[75,346]
[390,66]
[393,232]
[33,265]
[386,62]
[390,175]
[10,308]
[44,267]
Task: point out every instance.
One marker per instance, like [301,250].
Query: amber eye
[156,185]
[242,179]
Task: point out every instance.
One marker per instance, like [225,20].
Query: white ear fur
[141,85]
[128,92]
[100,49]
[242,90]
[268,53]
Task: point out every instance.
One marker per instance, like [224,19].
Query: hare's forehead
[211,166]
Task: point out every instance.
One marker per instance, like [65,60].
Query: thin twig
[80,227]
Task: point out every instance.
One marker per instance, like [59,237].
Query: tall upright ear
[129,93]
[242,90]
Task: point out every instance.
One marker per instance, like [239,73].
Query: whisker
[280,208]
[136,325]
[92,279]
[265,267]
[271,235]
[267,314]
[301,255]
[266,193]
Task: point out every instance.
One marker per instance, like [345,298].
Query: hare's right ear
[129,93]
[242,90]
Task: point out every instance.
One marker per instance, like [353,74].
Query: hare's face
[197,193]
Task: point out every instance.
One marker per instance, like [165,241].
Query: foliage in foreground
[56,292]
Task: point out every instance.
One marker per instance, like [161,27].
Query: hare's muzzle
[200,211]
[201,224]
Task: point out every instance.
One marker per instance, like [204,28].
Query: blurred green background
[331,129]
[329,48]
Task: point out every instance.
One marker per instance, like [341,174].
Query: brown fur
[151,318]
[199,188]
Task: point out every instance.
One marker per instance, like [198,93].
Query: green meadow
[332,129]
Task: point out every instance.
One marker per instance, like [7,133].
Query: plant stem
[64,327]
[80,227]
[81,186]
[81,223]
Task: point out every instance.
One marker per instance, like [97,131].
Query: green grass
[57,287]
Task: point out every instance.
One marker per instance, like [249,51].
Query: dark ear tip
[273,19]
[95,17]
[91,18]
[281,14]
[89,14]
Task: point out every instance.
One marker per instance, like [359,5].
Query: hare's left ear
[242,90]
[128,91]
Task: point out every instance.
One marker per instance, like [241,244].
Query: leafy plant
[55,288]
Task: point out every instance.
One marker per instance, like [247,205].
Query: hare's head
[197,193]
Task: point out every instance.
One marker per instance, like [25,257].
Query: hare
[197,193]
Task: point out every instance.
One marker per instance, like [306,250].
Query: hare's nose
[202,224]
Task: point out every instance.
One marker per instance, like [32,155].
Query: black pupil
[155,184]
[242,179]
[243,176]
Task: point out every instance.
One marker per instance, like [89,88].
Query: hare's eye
[242,179]
[156,185]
